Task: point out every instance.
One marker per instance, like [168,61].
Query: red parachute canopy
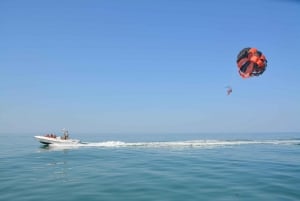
[251,62]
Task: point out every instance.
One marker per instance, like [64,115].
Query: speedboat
[53,139]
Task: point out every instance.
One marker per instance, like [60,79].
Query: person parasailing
[229,90]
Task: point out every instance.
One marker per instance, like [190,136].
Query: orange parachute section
[251,62]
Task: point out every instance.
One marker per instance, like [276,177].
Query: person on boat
[66,135]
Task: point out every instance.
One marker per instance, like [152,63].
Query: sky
[141,66]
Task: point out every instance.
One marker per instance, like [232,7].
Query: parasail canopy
[251,62]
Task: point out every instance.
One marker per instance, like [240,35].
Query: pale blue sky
[141,66]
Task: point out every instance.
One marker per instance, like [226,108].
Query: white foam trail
[191,143]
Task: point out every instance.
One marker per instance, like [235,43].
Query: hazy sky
[147,66]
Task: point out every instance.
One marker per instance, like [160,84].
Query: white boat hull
[57,140]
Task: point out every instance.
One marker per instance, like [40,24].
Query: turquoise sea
[173,167]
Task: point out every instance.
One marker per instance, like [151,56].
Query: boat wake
[178,144]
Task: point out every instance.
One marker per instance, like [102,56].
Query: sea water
[141,167]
